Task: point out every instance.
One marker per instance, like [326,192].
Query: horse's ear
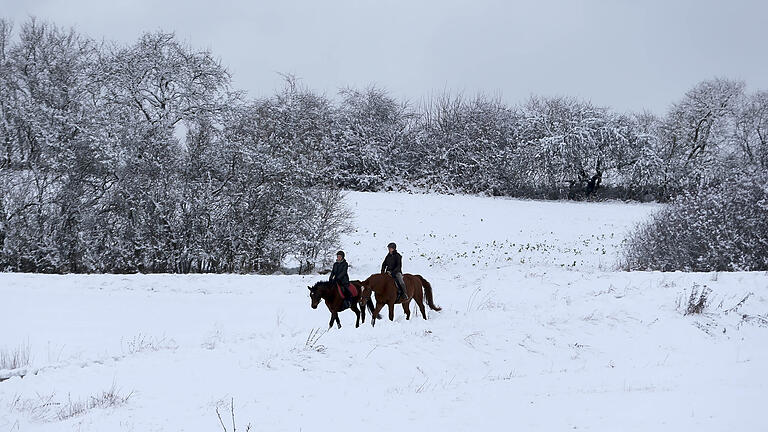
[309,287]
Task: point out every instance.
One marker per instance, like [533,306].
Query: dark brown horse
[329,292]
[385,290]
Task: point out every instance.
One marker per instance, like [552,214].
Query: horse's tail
[428,292]
[370,308]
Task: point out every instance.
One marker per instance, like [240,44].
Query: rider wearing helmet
[339,275]
[393,264]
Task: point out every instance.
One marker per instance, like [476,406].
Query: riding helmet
[340,253]
[392,245]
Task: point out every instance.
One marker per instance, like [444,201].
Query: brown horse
[329,292]
[383,285]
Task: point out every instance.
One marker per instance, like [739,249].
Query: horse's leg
[420,302]
[371,307]
[379,307]
[357,313]
[407,304]
[330,323]
[336,317]
[391,306]
[419,297]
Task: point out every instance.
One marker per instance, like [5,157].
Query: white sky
[630,55]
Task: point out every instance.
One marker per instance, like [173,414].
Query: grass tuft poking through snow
[47,408]
[106,399]
[142,342]
[698,300]
[232,415]
[312,340]
[15,358]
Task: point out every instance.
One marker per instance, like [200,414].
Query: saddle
[352,290]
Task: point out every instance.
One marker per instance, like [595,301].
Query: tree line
[556,147]
[142,157]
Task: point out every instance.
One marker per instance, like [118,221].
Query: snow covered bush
[724,228]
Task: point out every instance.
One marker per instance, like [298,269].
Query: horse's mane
[322,284]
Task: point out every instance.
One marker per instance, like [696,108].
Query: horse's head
[315,294]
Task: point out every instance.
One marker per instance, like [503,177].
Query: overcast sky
[630,55]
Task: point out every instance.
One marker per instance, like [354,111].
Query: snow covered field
[538,331]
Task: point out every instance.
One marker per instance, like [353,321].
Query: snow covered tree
[695,135]
[751,130]
[141,158]
[151,89]
[325,219]
[285,148]
[570,146]
[372,131]
[52,164]
[461,145]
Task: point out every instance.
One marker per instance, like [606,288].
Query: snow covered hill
[539,331]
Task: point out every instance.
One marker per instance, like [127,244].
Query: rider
[339,275]
[393,264]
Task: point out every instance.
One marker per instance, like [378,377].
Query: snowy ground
[538,332]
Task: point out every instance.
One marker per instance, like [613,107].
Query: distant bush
[724,228]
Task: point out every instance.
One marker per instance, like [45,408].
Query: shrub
[724,228]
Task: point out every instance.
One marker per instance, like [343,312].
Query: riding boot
[401,294]
[400,284]
[347,297]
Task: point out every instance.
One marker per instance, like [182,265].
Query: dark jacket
[339,273]
[393,263]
